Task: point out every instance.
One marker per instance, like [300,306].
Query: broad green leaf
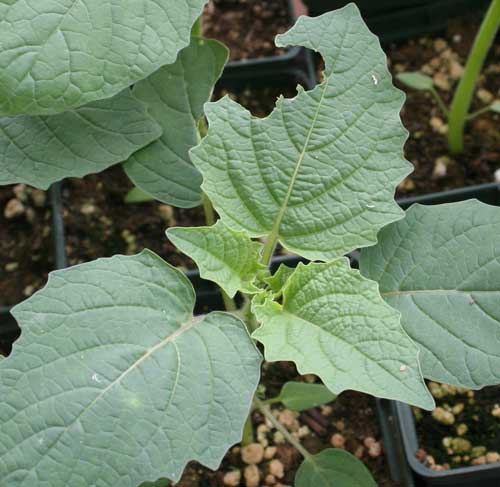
[333,467]
[114,382]
[224,256]
[319,173]
[40,150]
[279,278]
[299,396]
[58,55]
[417,81]
[333,323]
[175,96]
[440,267]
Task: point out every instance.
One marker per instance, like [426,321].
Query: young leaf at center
[114,382]
[333,323]
[224,256]
[318,174]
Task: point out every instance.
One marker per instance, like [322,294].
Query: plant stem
[266,411]
[198,27]
[248,436]
[463,95]
[208,210]
[478,112]
[268,251]
[440,102]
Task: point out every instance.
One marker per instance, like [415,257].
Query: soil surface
[444,59]
[247,27]
[349,422]
[463,430]
[26,245]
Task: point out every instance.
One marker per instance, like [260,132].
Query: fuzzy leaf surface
[39,150]
[440,267]
[58,55]
[175,96]
[299,396]
[114,382]
[333,467]
[279,278]
[333,323]
[319,173]
[224,256]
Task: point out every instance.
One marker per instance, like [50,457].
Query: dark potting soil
[99,223]
[26,246]
[351,418]
[464,430]
[444,59]
[247,27]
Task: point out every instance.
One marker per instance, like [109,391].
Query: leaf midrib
[274,235]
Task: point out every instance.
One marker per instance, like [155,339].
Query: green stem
[440,102]
[266,411]
[248,436]
[463,96]
[269,247]
[198,27]
[475,114]
[208,210]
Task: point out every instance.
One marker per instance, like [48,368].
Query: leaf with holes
[440,267]
[58,55]
[333,467]
[40,150]
[318,174]
[102,388]
[333,323]
[224,256]
[175,96]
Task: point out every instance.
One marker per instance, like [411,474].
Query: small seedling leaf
[224,256]
[333,467]
[299,396]
[417,81]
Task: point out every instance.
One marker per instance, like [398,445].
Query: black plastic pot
[397,20]
[9,330]
[296,57]
[396,419]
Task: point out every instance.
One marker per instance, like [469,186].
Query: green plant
[458,114]
[115,382]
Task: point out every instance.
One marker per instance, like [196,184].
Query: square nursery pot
[398,20]
[9,331]
[297,57]
[396,419]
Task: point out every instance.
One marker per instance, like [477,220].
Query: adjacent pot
[397,20]
[9,330]
[296,57]
[396,419]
